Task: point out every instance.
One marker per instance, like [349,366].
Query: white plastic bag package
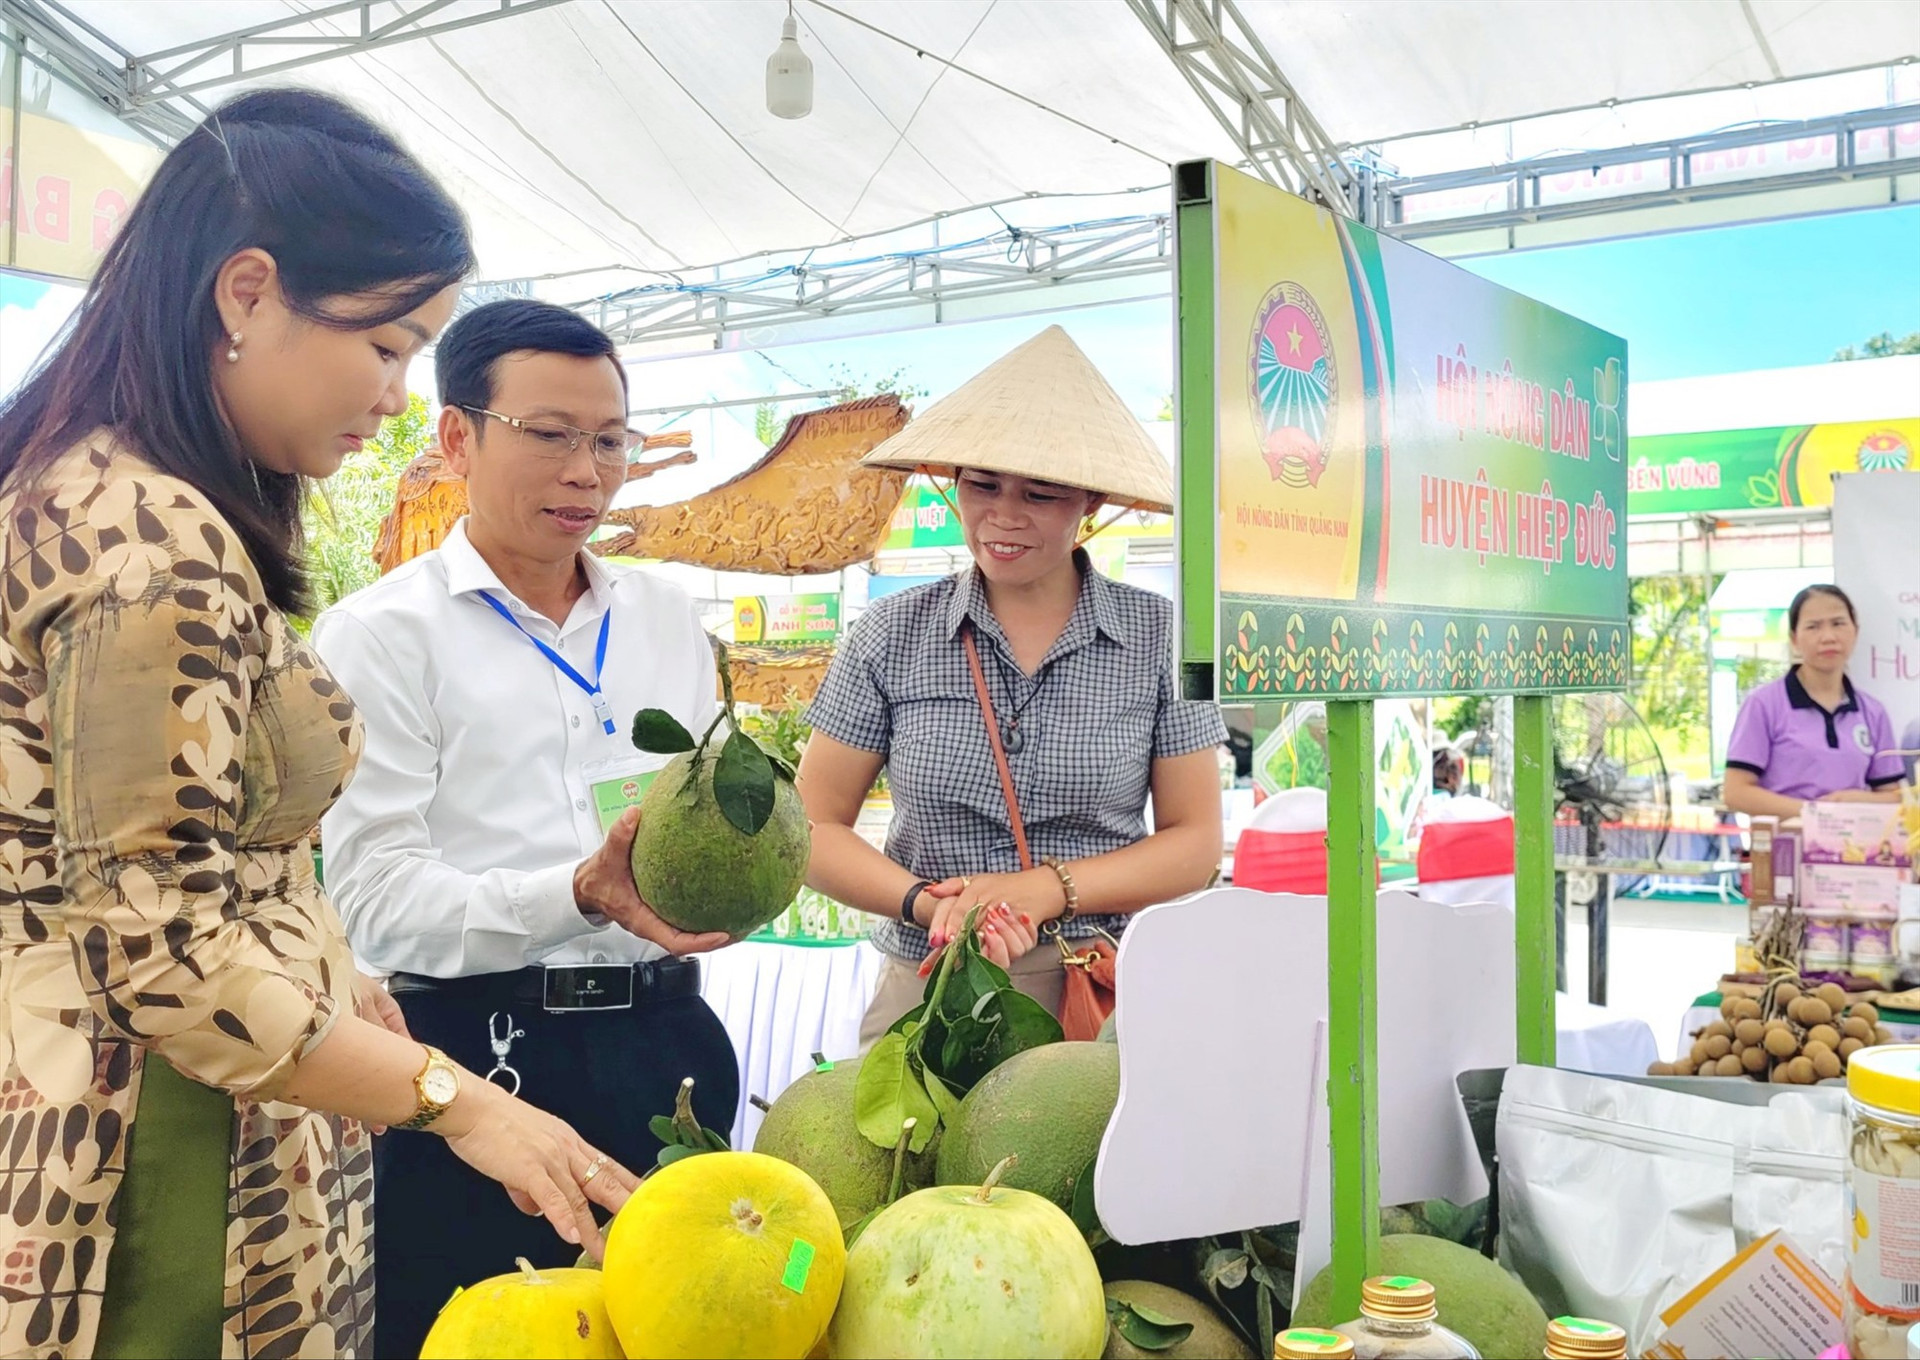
[1618,1196]
[1792,1174]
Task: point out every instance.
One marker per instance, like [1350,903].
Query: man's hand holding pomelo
[603,885]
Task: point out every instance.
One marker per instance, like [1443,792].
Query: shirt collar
[1798,697]
[468,572]
[1098,611]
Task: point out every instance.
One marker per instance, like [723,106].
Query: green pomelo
[698,870]
[812,1126]
[1211,1339]
[1049,1106]
[945,1272]
[1109,1032]
[1475,1296]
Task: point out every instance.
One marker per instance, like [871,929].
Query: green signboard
[1421,475]
[924,519]
[1761,469]
[796,620]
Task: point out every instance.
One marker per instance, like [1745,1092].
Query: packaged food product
[1825,935]
[1859,891]
[1853,833]
[1871,941]
[1399,1320]
[1811,962]
[1883,1260]
[1571,1338]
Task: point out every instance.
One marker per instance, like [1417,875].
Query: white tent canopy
[632,135]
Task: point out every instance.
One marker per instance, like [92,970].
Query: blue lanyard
[601,709]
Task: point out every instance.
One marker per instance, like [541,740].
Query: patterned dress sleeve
[148,616]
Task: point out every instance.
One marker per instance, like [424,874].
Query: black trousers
[441,1226]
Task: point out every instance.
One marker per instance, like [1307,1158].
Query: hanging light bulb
[789,74]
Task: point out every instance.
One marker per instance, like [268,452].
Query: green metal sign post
[1395,479]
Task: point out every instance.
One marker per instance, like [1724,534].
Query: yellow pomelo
[534,1314]
[725,1254]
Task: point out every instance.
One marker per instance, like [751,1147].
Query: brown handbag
[1089,993]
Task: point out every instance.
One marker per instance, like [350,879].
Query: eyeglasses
[550,439]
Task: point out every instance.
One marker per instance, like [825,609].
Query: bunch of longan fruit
[1789,1037]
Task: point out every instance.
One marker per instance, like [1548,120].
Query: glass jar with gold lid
[1311,1343]
[1882,1293]
[1400,1320]
[1571,1338]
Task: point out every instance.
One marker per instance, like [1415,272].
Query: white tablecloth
[782,1003]
[1594,1039]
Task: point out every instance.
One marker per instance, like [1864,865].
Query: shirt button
[580,803]
[576,720]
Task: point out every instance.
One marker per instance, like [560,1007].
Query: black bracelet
[906,903]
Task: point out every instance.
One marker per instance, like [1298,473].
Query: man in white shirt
[480,856]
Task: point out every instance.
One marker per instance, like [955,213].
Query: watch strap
[906,903]
[427,1110]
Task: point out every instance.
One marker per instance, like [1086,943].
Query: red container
[1450,850]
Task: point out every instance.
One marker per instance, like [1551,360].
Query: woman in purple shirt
[1810,734]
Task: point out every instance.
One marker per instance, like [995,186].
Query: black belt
[573,987]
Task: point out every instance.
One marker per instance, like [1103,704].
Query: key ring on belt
[500,1040]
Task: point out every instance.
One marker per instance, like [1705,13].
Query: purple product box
[1866,892]
[1853,833]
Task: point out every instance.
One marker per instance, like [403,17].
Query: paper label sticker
[824,1065]
[613,796]
[1401,1282]
[799,1265]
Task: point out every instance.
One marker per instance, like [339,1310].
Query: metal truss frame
[1523,178]
[1009,261]
[156,91]
[1211,44]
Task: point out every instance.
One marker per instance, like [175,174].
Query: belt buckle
[588,987]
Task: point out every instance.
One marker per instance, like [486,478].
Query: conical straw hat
[1045,412]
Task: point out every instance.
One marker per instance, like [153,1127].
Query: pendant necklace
[1012,735]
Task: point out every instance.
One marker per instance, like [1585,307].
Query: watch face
[441,1085]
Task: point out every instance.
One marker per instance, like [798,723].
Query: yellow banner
[73,187]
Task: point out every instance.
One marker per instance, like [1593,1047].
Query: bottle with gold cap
[1399,1320]
[1572,1338]
[1310,1343]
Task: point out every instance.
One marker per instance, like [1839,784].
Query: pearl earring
[233,348]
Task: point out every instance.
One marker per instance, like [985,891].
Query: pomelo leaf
[1087,1219]
[661,1127]
[888,1094]
[743,784]
[1024,1024]
[1145,1328]
[781,768]
[658,732]
[669,1155]
[943,1096]
[909,1023]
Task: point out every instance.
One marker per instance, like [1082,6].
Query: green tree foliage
[851,386]
[1881,346]
[342,515]
[1672,666]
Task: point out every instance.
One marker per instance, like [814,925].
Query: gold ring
[594,1169]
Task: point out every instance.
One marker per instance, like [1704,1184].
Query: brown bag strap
[999,751]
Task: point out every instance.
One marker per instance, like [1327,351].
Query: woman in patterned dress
[190,1067]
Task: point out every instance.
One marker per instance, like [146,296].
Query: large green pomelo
[698,870]
[945,1272]
[1049,1106]
[812,1126]
[1211,1339]
[1475,1296]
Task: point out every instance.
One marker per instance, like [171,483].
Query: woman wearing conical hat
[1028,674]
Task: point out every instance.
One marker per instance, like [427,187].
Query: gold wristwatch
[435,1089]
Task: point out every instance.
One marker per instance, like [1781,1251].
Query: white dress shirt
[452,851]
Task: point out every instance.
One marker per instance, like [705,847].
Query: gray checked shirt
[1102,707]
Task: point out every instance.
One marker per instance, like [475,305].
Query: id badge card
[618,783]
